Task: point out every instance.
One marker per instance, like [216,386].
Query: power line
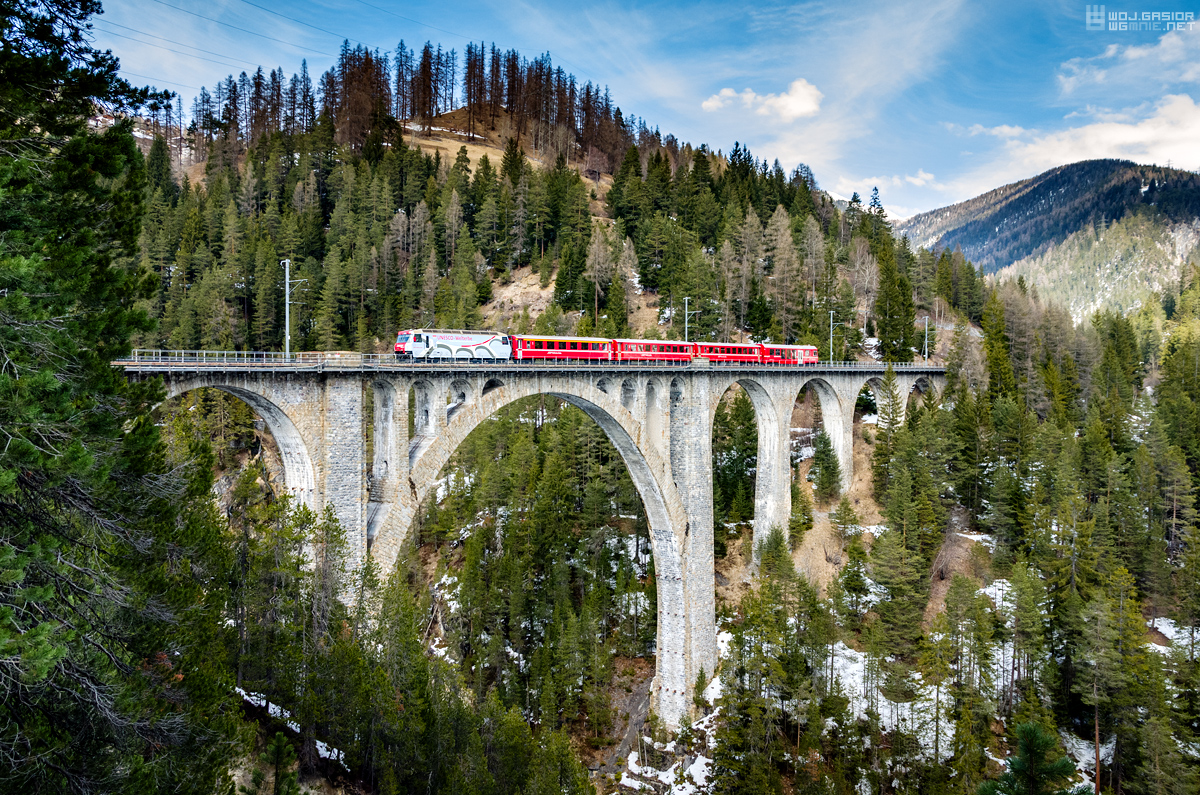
[160,80]
[171,41]
[168,49]
[244,30]
[414,21]
[297,21]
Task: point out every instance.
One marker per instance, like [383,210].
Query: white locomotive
[448,344]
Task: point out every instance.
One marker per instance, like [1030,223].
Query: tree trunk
[1096,700]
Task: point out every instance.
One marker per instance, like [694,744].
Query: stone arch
[772,482]
[651,475]
[924,384]
[676,391]
[875,384]
[424,417]
[459,395]
[838,425]
[920,390]
[299,471]
[388,462]
[492,383]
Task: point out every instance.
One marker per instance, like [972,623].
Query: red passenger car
[789,354]
[652,351]
[528,348]
[739,352]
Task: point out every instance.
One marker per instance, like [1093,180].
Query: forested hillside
[1010,587]
[1122,266]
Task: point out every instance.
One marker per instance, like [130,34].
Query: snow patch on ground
[870,419]
[1083,752]
[850,670]
[276,711]
[714,689]
[988,541]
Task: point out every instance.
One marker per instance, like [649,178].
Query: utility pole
[686,316]
[287,306]
[831,327]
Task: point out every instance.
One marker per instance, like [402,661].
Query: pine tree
[828,472]
[891,415]
[113,557]
[894,311]
[1001,382]
[1030,772]
[801,520]
[845,522]
[158,171]
[934,662]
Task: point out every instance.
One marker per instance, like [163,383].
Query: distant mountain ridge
[1028,218]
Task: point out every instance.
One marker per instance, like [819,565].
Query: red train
[441,345]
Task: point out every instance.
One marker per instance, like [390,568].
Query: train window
[537,345]
[574,346]
[562,346]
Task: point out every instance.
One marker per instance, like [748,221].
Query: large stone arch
[683,626]
[837,414]
[317,423]
[772,485]
[300,471]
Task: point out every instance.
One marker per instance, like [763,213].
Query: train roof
[560,337]
[450,331]
[665,342]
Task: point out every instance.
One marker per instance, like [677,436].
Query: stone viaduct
[660,419]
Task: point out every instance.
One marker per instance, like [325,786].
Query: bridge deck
[155,361]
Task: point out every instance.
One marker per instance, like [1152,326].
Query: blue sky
[933,101]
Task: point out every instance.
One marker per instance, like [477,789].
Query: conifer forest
[1004,601]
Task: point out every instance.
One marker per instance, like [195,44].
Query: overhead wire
[245,30]
[159,80]
[168,49]
[172,41]
[300,22]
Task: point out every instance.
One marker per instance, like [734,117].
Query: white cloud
[1173,60]
[863,186]
[801,100]
[1160,133]
[922,178]
[1000,131]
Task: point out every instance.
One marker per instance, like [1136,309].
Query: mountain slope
[1110,266]
[1027,218]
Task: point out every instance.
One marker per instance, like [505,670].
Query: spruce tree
[827,470]
[894,310]
[801,520]
[112,556]
[890,418]
[1030,772]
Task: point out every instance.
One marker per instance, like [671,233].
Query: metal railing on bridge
[144,359]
